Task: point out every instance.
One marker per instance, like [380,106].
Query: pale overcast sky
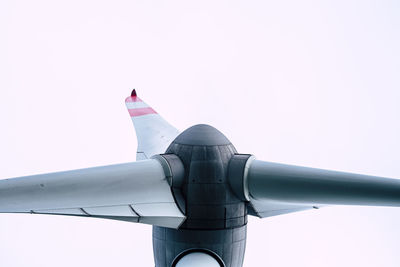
[312,83]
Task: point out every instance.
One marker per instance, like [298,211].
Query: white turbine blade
[154,134]
[278,188]
[137,192]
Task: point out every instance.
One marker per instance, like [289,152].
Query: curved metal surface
[238,169]
[216,217]
[198,258]
[136,191]
[153,133]
[228,244]
[210,202]
[279,188]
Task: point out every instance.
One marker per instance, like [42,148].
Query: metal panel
[268,208]
[156,209]
[111,211]
[61,211]
[159,214]
[165,221]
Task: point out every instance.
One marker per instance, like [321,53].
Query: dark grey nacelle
[215,217]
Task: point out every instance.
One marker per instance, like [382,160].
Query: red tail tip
[133,92]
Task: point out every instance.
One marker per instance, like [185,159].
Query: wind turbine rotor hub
[216,215]
[210,202]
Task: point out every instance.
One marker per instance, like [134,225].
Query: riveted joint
[237,175]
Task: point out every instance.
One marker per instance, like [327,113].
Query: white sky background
[314,83]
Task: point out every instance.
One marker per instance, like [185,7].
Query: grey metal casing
[215,217]
[210,202]
[228,244]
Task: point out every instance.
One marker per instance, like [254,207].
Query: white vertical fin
[154,134]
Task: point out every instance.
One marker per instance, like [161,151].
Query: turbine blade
[137,192]
[154,134]
[278,188]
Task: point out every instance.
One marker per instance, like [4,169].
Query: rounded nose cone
[202,135]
